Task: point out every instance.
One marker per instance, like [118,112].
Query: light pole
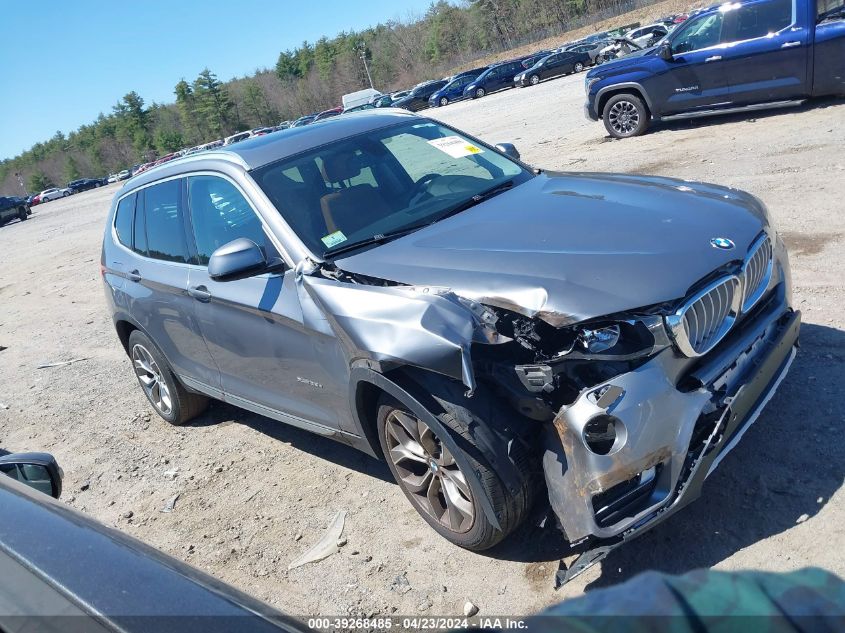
[362,53]
[20,182]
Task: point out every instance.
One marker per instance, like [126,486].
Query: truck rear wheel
[625,115]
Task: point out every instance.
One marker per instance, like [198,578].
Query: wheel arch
[631,87]
[124,329]
[423,392]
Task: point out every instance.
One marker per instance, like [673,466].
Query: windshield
[381,182]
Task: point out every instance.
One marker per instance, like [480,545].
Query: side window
[760,19]
[123,220]
[165,225]
[702,32]
[220,214]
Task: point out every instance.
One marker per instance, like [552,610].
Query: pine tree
[256,103]
[71,169]
[213,105]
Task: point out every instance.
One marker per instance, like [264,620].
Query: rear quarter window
[123,219]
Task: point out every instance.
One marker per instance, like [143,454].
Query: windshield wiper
[476,199]
[380,238]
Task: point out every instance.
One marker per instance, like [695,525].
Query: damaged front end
[627,413]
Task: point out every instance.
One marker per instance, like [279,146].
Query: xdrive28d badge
[476,324]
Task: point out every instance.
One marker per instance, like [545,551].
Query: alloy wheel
[579,67]
[534,80]
[480,93]
[623,117]
[428,471]
[443,101]
[149,375]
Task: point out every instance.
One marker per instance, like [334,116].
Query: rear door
[253,326]
[509,71]
[829,48]
[695,78]
[766,55]
[157,277]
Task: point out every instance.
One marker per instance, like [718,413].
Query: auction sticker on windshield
[333,239]
[455,146]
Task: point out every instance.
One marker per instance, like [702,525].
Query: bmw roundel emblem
[722,242]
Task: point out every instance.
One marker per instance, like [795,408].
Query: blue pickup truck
[739,56]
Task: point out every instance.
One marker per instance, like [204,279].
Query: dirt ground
[254,494]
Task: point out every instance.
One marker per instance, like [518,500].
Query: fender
[625,84]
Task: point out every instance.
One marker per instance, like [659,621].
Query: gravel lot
[254,493]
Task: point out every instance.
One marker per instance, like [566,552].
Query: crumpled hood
[569,247]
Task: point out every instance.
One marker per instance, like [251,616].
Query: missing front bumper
[660,425]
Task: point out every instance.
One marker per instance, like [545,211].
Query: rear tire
[65,194]
[579,67]
[464,463]
[22,214]
[169,398]
[625,115]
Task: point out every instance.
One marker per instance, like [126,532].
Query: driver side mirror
[37,470]
[239,259]
[665,52]
[508,150]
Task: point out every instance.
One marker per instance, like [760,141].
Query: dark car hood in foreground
[569,247]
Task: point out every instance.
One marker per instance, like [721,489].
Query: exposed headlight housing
[599,339]
[627,339]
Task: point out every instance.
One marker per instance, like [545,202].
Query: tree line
[309,78]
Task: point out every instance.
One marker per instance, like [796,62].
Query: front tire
[625,115]
[65,194]
[169,398]
[443,481]
[480,92]
[444,101]
[22,214]
[534,80]
[579,67]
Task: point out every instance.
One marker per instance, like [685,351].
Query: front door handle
[200,293]
[134,276]
[715,58]
[791,44]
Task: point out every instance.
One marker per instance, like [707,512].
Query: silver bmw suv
[397,285]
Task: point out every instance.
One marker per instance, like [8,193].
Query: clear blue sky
[63,62]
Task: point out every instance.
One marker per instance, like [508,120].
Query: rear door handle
[791,44]
[200,293]
[134,276]
[715,58]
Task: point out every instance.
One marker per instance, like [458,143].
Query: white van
[360,97]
